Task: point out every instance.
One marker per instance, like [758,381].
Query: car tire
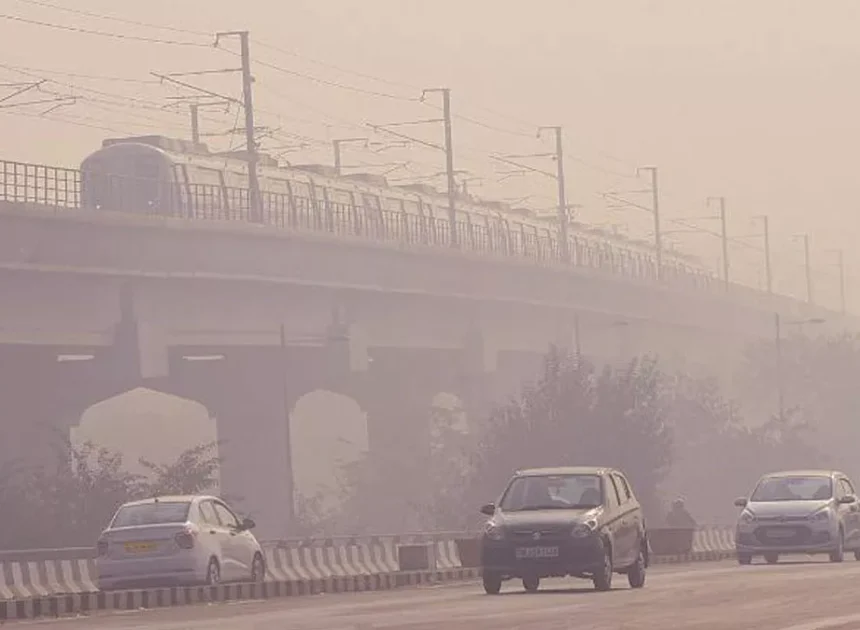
[838,554]
[603,577]
[771,558]
[213,573]
[744,559]
[857,555]
[258,569]
[636,573]
[531,584]
[492,583]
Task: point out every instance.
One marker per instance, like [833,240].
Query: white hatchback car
[805,512]
[177,540]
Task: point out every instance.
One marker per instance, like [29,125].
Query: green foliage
[411,485]
[635,417]
[822,399]
[68,503]
[195,471]
[579,415]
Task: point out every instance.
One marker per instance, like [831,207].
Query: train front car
[131,175]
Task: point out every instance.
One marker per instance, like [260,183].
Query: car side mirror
[489,509]
[741,503]
[847,499]
[248,524]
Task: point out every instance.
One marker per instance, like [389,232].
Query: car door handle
[212,531]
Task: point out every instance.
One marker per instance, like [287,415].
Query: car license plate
[139,547]
[780,533]
[536,552]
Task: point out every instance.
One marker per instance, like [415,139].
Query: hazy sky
[755,99]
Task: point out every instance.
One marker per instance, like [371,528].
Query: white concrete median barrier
[63,582]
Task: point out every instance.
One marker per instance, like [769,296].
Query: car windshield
[552,492]
[151,514]
[805,488]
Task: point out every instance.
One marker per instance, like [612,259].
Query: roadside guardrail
[58,582]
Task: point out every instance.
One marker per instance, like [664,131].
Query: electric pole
[840,262]
[449,161]
[195,124]
[780,392]
[842,281]
[255,210]
[655,209]
[808,266]
[767,267]
[338,167]
[724,237]
[562,196]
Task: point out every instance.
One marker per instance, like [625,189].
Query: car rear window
[151,514]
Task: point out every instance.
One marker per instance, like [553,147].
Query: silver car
[177,540]
[806,512]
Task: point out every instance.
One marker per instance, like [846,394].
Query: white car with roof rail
[177,540]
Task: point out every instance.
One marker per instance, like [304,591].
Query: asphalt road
[710,596]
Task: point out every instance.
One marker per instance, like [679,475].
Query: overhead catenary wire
[272,66]
[139,103]
[87,31]
[102,16]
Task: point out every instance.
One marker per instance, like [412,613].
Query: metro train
[169,177]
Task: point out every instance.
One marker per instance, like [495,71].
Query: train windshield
[126,181]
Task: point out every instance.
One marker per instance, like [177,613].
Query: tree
[819,376]
[69,502]
[195,471]
[579,415]
[719,453]
[401,488]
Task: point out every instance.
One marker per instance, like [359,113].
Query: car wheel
[771,558]
[857,555]
[636,573]
[603,577]
[744,558]
[492,583]
[531,584]
[838,554]
[258,569]
[213,573]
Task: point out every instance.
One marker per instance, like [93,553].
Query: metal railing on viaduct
[69,189]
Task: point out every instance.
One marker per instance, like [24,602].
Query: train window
[392,205]
[206,176]
[340,197]
[320,193]
[301,190]
[236,179]
[145,167]
[371,202]
[278,186]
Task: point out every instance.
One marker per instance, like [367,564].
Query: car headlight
[820,516]
[586,528]
[747,517]
[493,532]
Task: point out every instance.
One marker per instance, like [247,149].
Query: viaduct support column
[251,392]
[396,394]
[245,393]
[41,398]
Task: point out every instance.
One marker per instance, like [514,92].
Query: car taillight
[185,539]
[102,547]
